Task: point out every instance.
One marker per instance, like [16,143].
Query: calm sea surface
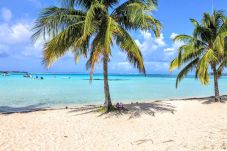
[63,89]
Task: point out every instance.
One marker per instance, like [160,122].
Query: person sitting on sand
[119,106]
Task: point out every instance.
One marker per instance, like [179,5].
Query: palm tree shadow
[6,110]
[209,100]
[133,110]
[85,109]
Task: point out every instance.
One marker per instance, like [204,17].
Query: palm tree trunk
[107,103]
[216,89]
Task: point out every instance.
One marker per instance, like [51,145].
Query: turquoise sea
[65,89]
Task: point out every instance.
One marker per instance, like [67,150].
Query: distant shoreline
[98,74]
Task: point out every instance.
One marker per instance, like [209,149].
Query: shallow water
[63,89]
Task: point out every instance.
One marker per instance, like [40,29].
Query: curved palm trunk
[107,103]
[216,89]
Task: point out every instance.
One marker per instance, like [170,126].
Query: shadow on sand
[207,100]
[26,109]
[133,110]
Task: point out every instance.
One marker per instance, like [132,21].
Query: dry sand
[158,126]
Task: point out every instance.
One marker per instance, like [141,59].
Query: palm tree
[92,26]
[203,50]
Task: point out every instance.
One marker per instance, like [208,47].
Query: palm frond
[128,45]
[60,44]
[183,38]
[133,15]
[53,20]
[189,67]
[203,65]
[90,22]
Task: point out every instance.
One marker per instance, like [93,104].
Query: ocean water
[64,89]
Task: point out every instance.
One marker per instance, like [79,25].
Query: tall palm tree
[203,50]
[90,27]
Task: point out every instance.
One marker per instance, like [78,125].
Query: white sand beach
[158,126]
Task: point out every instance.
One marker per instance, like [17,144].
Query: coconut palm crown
[89,28]
[203,50]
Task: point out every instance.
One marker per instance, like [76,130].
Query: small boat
[66,77]
[28,76]
[5,74]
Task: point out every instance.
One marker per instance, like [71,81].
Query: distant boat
[66,77]
[28,75]
[5,74]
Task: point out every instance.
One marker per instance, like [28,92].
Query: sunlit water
[64,89]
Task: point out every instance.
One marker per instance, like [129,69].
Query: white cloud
[121,54]
[14,37]
[146,35]
[150,43]
[122,66]
[17,37]
[32,50]
[157,65]
[171,49]
[160,41]
[6,14]
[175,45]
[173,35]
[20,31]
[14,34]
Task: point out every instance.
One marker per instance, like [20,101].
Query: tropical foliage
[89,28]
[205,49]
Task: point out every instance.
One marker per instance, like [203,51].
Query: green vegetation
[203,50]
[89,28]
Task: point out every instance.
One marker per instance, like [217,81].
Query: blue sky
[17,52]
